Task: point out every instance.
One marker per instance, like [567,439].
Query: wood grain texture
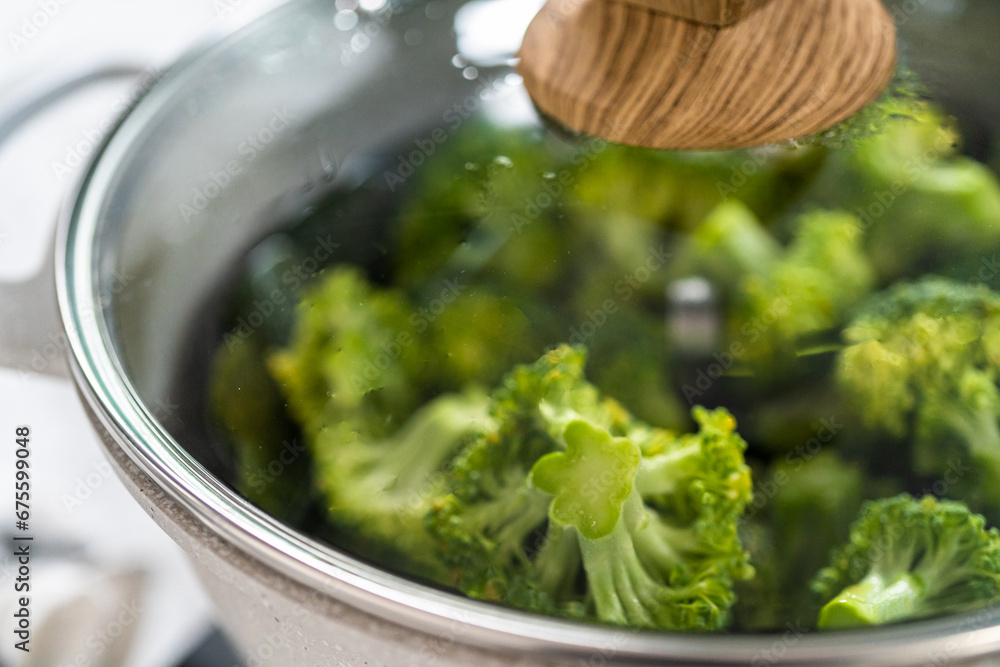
[713,12]
[625,73]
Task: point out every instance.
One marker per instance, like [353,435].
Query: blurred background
[107,586]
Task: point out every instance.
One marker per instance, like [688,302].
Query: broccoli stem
[625,592]
[556,564]
[428,438]
[974,420]
[620,586]
[982,431]
[623,589]
[661,547]
[663,474]
[873,601]
[511,518]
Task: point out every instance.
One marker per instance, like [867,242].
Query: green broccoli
[566,479]
[479,336]
[922,361]
[919,203]
[729,244]
[352,377]
[483,205]
[491,512]
[779,300]
[625,206]
[379,489]
[440,445]
[908,559]
[904,97]
[811,289]
[353,356]
[679,189]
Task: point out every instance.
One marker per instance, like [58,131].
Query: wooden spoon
[706,74]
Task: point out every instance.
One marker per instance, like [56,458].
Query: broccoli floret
[778,298]
[916,138]
[492,519]
[908,559]
[821,276]
[678,189]
[919,202]
[624,207]
[483,206]
[477,337]
[643,569]
[566,478]
[353,378]
[353,356]
[922,361]
[801,491]
[904,97]
[729,244]
[960,191]
[379,489]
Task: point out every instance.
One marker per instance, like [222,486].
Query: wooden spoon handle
[785,69]
[711,12]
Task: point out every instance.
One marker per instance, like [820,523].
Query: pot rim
[101,377]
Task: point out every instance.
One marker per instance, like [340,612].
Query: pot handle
[32,339]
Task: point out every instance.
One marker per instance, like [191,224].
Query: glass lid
[350,272]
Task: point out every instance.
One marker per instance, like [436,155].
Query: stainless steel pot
[245,136]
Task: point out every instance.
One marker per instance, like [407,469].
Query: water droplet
[345,20]
[459,61]
[470,73]
[360,42]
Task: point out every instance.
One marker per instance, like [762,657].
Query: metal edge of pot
[960,640]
